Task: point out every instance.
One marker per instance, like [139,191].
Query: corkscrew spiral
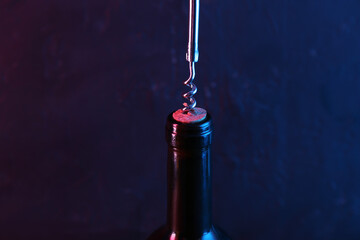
[190,95]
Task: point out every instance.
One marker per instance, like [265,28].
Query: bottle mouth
[189,135]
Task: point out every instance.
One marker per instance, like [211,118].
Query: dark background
[86,86]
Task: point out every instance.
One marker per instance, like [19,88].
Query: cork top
[193,116]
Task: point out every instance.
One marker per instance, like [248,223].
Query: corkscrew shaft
[192,55]
[193,45]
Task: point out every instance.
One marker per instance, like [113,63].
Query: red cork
[192,116]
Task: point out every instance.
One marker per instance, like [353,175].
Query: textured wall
[86,85]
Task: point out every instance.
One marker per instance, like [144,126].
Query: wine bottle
[189,182]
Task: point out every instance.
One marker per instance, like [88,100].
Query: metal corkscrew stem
[192,55]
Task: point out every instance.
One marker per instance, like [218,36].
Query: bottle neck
[189,191]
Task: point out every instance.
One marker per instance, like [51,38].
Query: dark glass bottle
[189,183]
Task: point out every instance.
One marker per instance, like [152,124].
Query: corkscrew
[190,113]
[192,55]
